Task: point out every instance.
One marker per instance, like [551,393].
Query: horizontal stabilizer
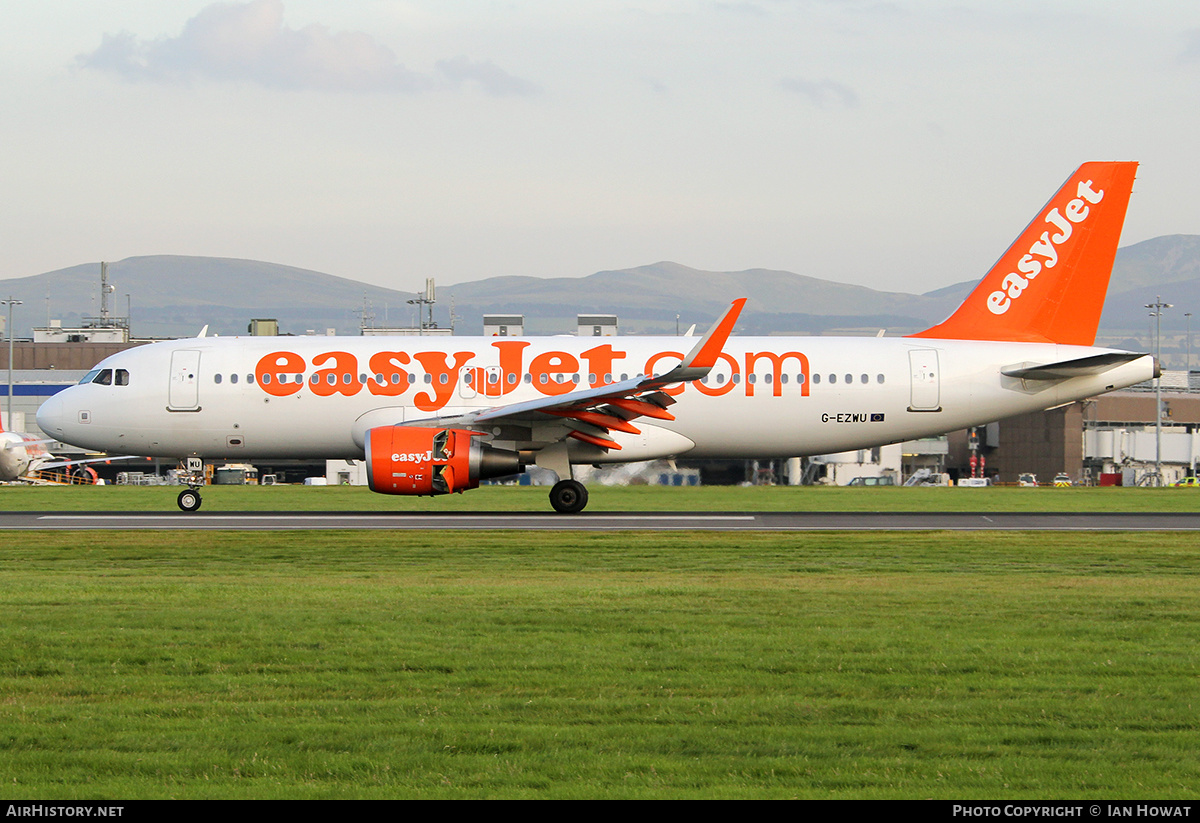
[1080,367]
[25,443]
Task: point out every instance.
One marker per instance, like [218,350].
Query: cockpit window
[104,377]
[122,377]
[89,377]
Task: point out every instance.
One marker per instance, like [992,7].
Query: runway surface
[605,521]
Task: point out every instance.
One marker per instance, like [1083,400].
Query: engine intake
[414,460]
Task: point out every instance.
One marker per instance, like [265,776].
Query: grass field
[610,498]
[452,665]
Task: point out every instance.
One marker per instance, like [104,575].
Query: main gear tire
[568,497]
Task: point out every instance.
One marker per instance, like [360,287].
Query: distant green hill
[646,300]
[175,296]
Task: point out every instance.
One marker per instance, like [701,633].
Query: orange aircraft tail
[1049,286]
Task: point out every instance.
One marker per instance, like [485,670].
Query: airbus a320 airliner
[437,415]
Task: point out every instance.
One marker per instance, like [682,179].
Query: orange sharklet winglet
[705,355]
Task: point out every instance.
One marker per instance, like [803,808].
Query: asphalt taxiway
[605,521]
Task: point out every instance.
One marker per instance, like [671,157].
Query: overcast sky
[899,145]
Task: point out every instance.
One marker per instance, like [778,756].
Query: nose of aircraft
[50,416]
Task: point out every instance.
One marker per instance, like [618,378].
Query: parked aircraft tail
[1049,286]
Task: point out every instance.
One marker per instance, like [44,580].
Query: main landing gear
[568,496]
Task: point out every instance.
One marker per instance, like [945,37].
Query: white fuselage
[766,397]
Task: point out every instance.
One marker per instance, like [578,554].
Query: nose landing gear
[193,474]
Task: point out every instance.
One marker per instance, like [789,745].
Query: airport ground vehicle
[872,481]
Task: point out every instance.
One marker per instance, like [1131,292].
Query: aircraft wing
[593,413]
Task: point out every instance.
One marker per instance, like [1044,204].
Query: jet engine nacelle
[413,460]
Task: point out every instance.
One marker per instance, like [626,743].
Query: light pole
[1187,316]
[10,302]
[1158,305]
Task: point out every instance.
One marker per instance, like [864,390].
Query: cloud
[822,93]
[248,42]
[491,78]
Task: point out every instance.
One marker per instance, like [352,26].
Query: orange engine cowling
[412,460]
